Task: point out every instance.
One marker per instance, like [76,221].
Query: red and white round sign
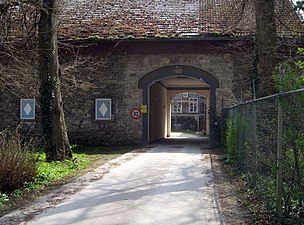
[135,113]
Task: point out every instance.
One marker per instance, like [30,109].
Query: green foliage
[48,172]
[17,163]
[259,164]
[293,136]
[290,75]
[236,144]
[232,139]
[58,172]
[3,199]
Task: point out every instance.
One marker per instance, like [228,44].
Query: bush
[231,138]
[289,76]
[17,162]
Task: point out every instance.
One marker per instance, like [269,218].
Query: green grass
[54,173]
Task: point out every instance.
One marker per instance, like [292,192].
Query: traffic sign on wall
[103,109]
[135,113]
[27,109]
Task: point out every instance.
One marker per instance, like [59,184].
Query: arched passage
[159,83]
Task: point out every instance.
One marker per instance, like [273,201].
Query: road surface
[169,185]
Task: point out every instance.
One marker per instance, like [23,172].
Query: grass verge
[248,196]
[50,175]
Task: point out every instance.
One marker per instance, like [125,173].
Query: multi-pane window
[177,107]
[193,105]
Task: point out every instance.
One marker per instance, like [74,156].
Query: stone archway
[175,71]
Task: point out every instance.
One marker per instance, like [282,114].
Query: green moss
[90,38]
[141,37]
[214,34]
[95,37]
[158,36]
[110,38]
[131,37]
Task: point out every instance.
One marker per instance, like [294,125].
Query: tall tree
[53,122]
[266,45]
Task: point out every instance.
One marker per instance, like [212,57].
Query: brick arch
[173,71]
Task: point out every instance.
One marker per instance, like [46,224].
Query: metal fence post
[279,179]
[241,137]
[223,126]
[254,165]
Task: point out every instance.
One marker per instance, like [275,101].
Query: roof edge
[96,39]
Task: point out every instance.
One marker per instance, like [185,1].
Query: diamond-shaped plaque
[103,109]
[27,109]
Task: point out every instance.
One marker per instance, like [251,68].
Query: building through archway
[160,85]
[189,113]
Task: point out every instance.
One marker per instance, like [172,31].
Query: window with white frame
[193,105]
[185,95]
[177,106]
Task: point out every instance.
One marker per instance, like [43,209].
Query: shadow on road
[180,139]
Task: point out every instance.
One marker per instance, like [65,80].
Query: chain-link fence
[264,139]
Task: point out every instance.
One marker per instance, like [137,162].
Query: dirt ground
[232,210]
[228,201]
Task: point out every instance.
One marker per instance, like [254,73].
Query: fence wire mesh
[267,146]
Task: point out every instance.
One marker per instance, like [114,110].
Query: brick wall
[115,76]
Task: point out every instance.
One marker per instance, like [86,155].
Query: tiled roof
[171,18]
[121,19]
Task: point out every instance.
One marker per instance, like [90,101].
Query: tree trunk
[266,46]
[53,122]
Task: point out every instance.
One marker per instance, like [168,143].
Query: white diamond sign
[27,109]
[103,109]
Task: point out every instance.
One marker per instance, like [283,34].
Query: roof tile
[183,18]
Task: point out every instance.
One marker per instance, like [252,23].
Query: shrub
[289,76]
[17,162]
[232,140]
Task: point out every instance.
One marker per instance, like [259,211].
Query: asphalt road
[169,185]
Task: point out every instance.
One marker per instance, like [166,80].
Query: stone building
[119,57]
[189,112]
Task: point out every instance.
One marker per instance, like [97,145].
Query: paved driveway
[169,185]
